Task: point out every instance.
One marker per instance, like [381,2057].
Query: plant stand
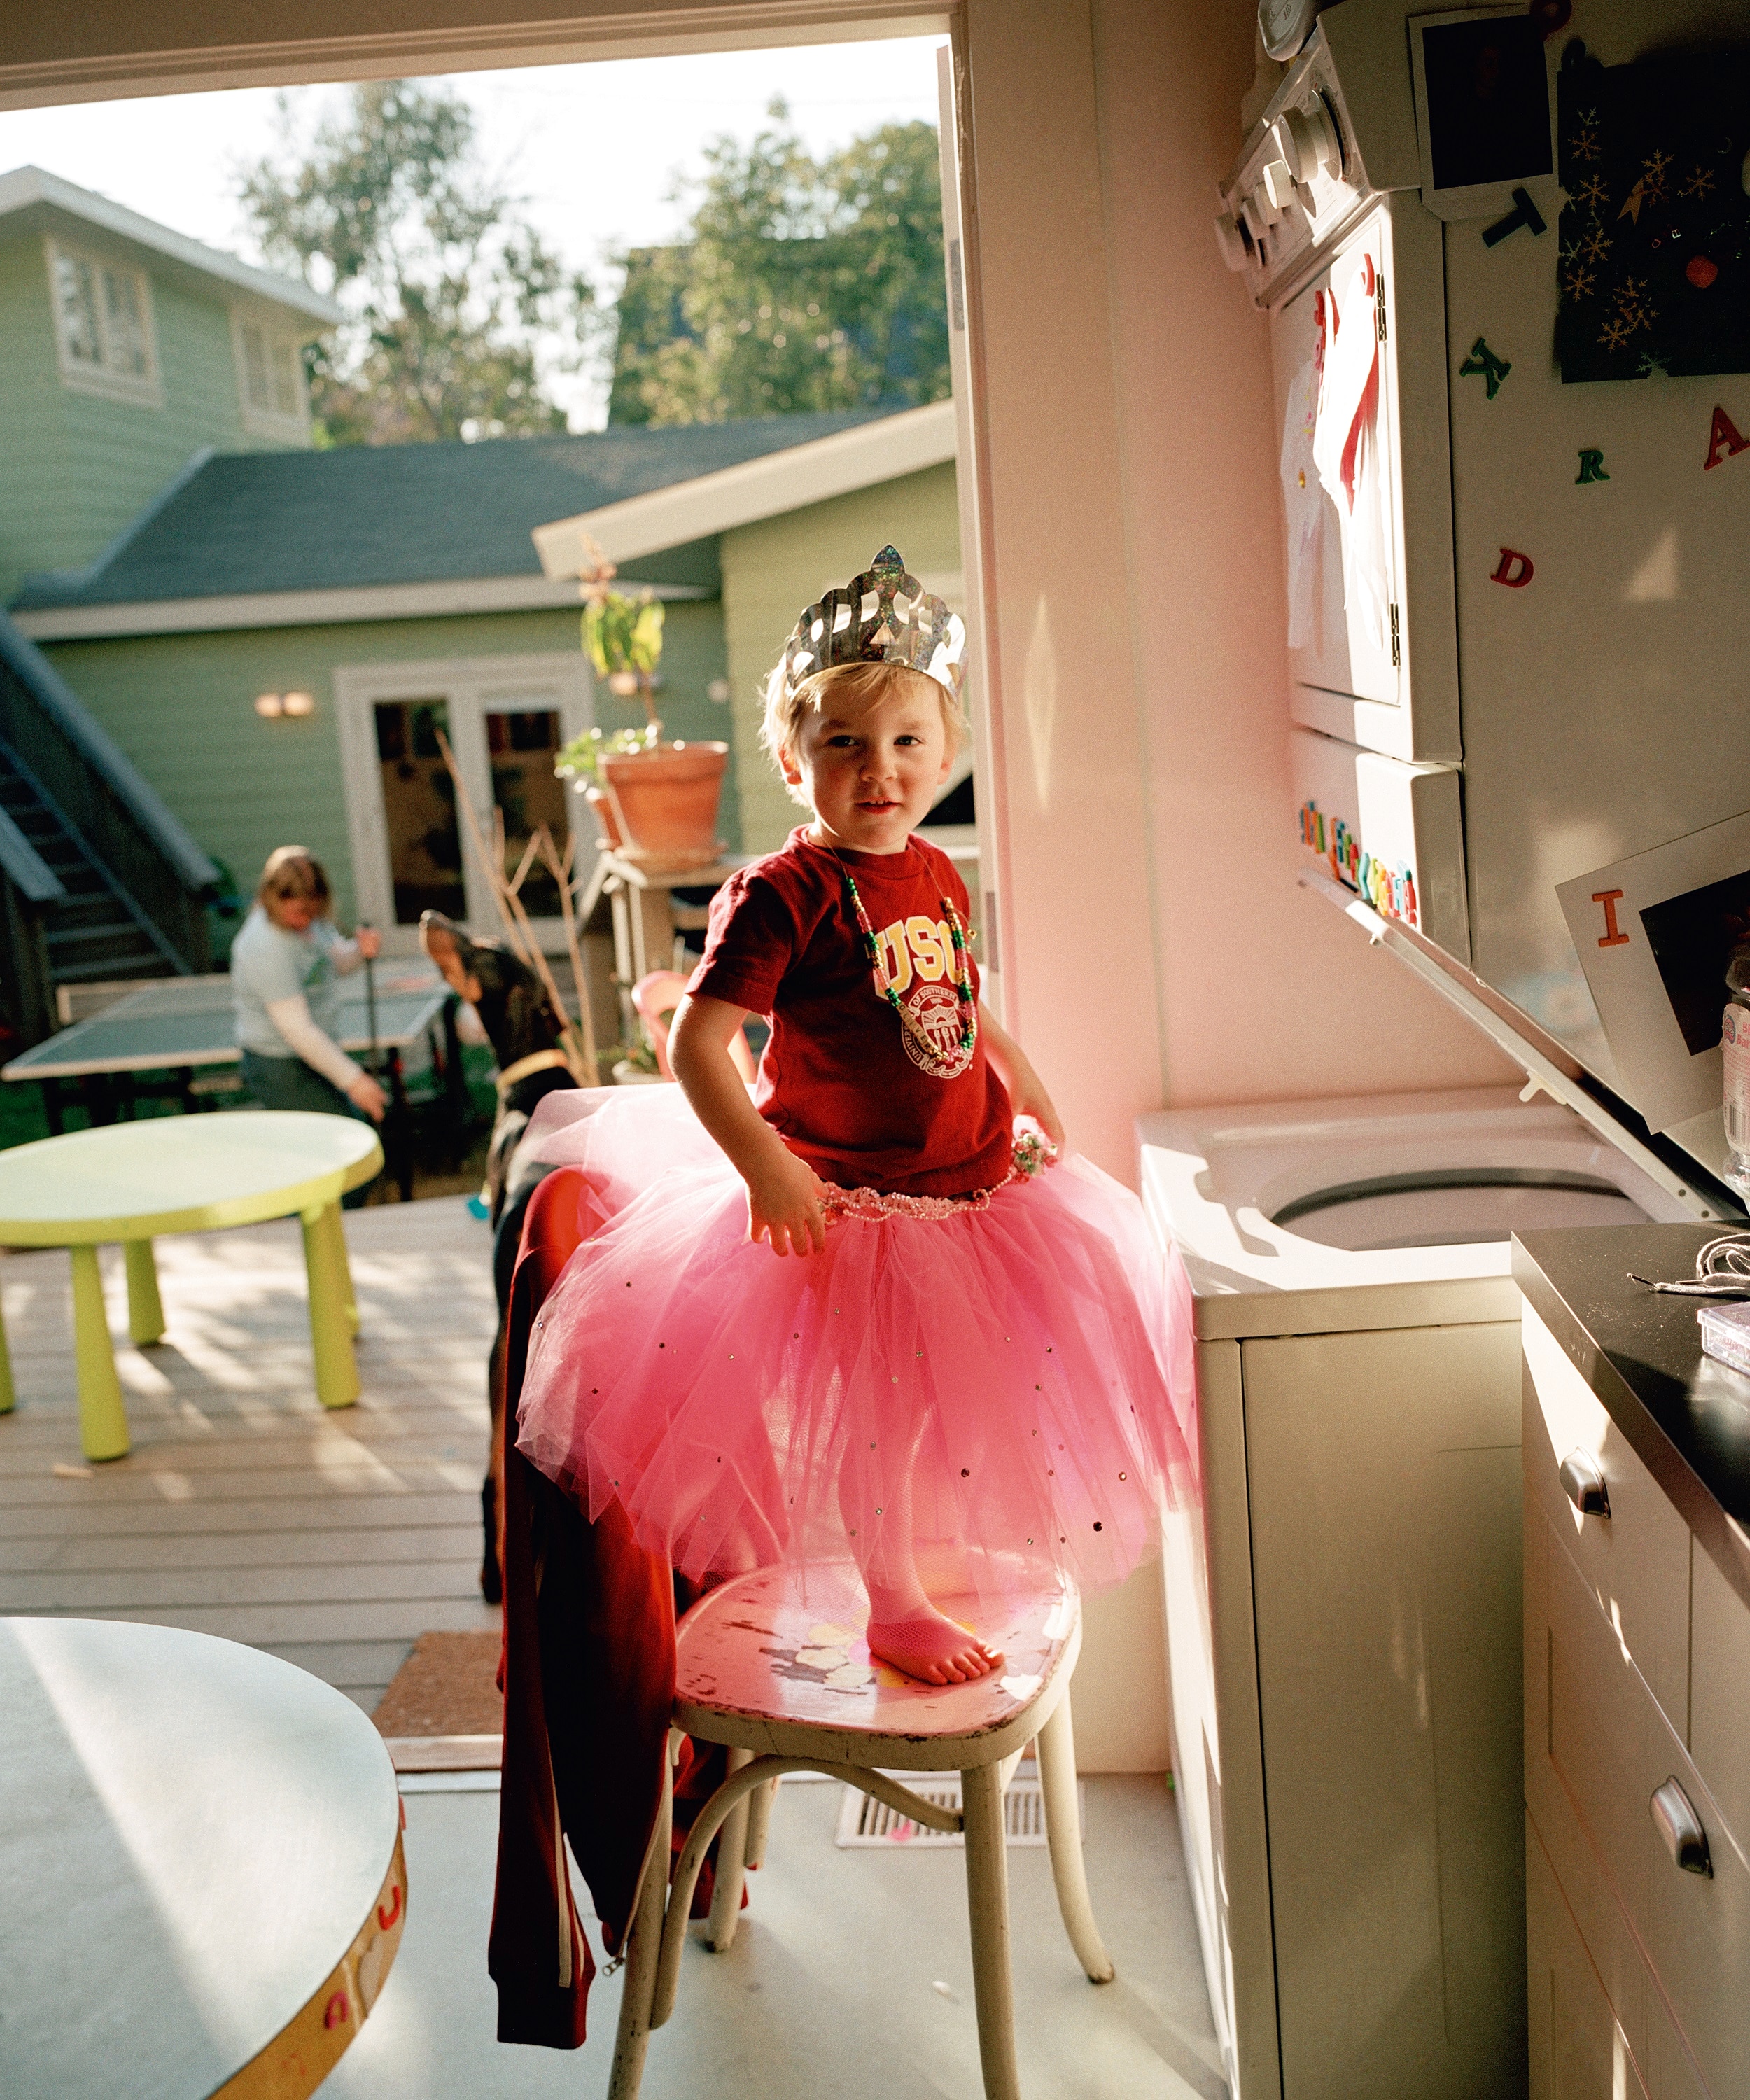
[641,902]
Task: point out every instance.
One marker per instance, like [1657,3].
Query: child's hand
[784,1204]
[1037,1104]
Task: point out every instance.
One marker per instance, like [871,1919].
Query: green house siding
[76,469]
[181,706]
[771,570]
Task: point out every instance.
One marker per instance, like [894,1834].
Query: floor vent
[865,1822]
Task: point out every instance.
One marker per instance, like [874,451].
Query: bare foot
[930,1646]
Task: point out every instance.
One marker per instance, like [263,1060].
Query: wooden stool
[789,1688]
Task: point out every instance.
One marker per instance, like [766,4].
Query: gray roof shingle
[244,522]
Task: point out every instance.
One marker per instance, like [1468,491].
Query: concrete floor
[850,1978]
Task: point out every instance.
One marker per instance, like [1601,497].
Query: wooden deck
[244,1509]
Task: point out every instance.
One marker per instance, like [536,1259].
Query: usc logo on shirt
[917,947]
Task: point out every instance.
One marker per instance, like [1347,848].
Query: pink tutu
[998,1378]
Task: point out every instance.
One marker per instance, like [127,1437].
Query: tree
[456,308]
[801,285]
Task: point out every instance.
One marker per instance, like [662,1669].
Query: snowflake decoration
[1698,184]
[1615,333]
[1570,254]
[1649,364]
[1655,164]
[1631,291]
[1642,317]
[1596,246]
[1584,144]
[1593,192]
[1579,283]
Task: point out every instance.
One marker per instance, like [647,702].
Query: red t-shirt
[842,1077]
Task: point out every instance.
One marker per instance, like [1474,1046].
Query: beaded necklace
[931,1059]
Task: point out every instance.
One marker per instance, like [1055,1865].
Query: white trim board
[789,480]
[315,608]
[24,188]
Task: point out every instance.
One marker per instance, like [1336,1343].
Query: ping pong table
[185,1030]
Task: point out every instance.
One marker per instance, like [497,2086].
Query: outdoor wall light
[271,706]
[300,703]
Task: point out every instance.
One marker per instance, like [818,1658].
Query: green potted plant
[580,763]
[655,801]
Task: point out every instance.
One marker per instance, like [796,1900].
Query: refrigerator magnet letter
[1483,360]
[1724,441]
[1591,466]
[1524,213]
[1613,935]
[1514,569]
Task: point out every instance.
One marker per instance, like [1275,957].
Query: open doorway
[358,539]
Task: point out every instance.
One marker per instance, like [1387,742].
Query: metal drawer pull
[1585,1484]
[1680,1828]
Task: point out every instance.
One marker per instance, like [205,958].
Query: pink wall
[1162,948]
[1266,991]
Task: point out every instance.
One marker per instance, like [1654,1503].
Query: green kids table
[185,1173]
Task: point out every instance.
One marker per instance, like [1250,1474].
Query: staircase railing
[119,817]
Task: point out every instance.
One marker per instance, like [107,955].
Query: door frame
[469,685]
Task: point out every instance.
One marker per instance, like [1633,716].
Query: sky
[595,149]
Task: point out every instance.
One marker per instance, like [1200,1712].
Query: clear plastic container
[1734,1044]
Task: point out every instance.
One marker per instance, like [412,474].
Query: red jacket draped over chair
[588,1674]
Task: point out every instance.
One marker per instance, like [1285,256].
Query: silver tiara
[883,616]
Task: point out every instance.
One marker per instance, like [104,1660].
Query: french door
[414,838]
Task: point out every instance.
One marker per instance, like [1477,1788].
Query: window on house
[269,366]
[102,313]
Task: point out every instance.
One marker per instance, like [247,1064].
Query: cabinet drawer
[1598,1909]
[1578,2048]
[1719,1693]
[1609,1748]
[1636,1560]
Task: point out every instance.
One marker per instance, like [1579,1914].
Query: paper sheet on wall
[1654,932]
[1304,501]
[1345,445]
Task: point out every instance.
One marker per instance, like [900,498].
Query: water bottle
[1734,1043]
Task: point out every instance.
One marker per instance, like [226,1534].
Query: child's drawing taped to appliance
[1345,445]
[1304,501]
[971,1378]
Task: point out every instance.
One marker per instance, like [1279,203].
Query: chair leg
[644,1944]
[987,1897]
[761,1803]
[1063,1832]
[732,1859]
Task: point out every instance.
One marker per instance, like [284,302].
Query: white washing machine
[1342,1581]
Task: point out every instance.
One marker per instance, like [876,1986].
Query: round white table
[201,1862]
[129,1182]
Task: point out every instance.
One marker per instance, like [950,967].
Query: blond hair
[854,685]
[292,871]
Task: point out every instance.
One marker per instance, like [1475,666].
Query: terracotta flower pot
[666,802]
[602,810]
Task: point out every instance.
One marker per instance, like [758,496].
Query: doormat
[443,1711]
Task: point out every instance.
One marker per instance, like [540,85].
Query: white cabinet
[1345,1628]
[1636,1685]
[1372,627]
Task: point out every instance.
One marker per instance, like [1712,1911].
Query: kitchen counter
[1686,1415]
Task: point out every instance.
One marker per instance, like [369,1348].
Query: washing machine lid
[1260,1200]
